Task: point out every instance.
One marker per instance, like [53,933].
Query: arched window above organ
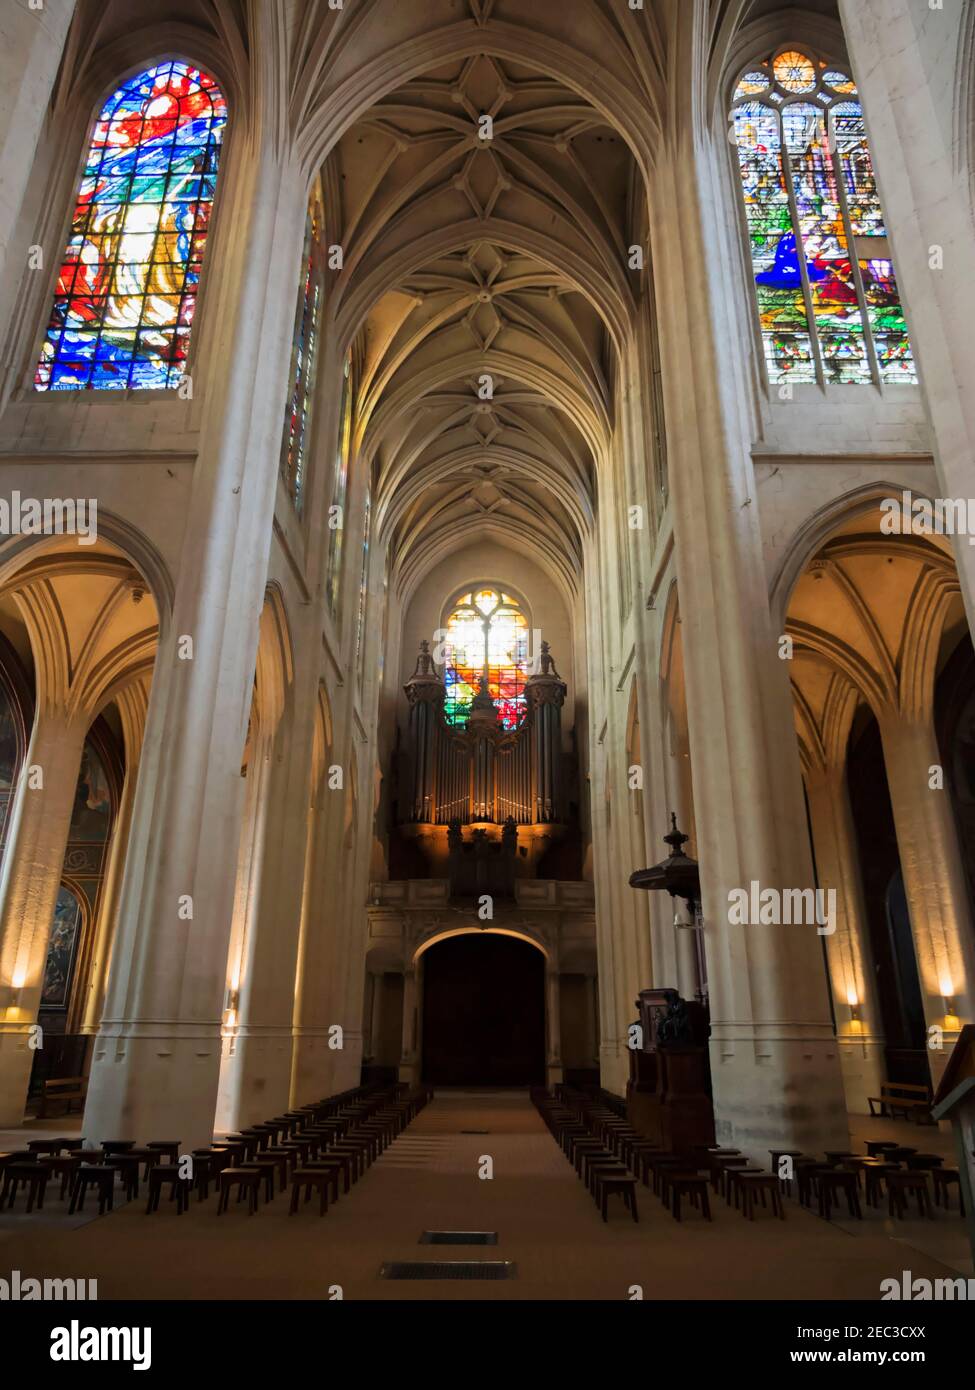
[828,298]
[126,293]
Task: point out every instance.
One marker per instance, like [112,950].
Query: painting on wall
[61,951]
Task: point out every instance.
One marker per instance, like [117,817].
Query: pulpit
[668,1095]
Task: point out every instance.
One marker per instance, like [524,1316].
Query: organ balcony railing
[484,773]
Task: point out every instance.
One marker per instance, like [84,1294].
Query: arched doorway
[483,1012]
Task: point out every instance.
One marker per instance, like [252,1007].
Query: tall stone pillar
[934,880]
[774,1060]
[859,1031]
[255,1078]
[131,703]
[905,54]
[156,1059]
[31,44]
[39,826]
[407,1061]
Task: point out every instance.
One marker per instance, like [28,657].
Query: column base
[255,1077]
[778,1093]
[553,1074]
[614,1068]
[147,1086]
[864,1070]
[16,1060]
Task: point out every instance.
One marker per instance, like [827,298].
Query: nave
[546,1224]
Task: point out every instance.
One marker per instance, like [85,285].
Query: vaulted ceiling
[486,264]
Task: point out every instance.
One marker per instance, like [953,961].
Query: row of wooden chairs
[575,1123]
[898,1170]
[336,1137]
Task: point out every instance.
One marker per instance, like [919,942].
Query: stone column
[934,879]
[255,1079]
[774,1059]
[156,1060]
[553,1025]
[407,1061]
[912,62]
[31,44]
[39,825]
[131,704]
[859,1029]
[311,1075]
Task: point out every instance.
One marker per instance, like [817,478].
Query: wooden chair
[873,1176]
[693,1185]
[33,1176]
[101,1176]
[246,1180]
[166,1148]
[268,1168]
[623,1183]
[61,1166]
[167,1175]
[900,1185]
[837,1182]
[752,1185]
[944,1179]
[309,1180]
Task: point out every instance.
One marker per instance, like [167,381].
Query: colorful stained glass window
[828,300]
[304,353]
[486,639]
[126,293]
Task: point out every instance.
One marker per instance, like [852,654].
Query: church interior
[487,691]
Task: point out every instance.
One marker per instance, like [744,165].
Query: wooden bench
[902,1097]
[61,1088]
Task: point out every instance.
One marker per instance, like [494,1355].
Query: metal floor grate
[459,1238]
[448,1269]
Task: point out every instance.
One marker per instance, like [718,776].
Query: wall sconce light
[11,996]
[855,1012]
[951,1018]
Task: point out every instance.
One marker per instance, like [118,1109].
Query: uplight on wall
[230,1009]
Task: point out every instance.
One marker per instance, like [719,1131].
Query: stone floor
[545,1220]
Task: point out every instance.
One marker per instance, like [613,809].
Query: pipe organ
[482,773]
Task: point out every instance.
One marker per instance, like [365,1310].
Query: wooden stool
[117,1146]
[44,1146]
[98,1175]
[207,1163]
[943,1179]
[732,1188]
[833,1182]
[331,1171]
[309,1180]
[33,1176]
[167,1174]
[60,1166]
[245,1180]
[751,1185]
[267,1167]
[694,1185]
[874,1171]
[900,1185]
[927,1162]
[875,1147]
[624,1184]
[166,1148]
[335,1163]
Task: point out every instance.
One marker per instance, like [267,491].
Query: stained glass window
[337,505]
[486,639]
[304,353]
[828,300]
[126,294]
